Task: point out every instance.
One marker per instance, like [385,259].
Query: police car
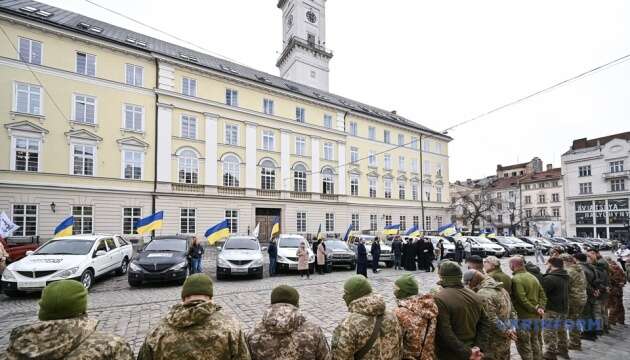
[79,257]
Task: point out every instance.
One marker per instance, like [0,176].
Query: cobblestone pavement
[132,312]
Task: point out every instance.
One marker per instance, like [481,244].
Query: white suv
[78,257]
[240,255]
[287,248]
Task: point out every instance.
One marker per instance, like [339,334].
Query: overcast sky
[438,63]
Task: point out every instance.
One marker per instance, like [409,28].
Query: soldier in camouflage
[616,312]
[284,333]
[65,332]
[352,337]
[498,307]
[417,316]
[577,300]
[196,329]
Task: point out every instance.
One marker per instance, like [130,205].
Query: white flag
[256,230]
[7,227]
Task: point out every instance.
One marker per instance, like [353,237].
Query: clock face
[290,20]
[311,17]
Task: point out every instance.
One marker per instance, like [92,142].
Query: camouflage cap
[197,284]
[285,294]
[355,287]
[407,286]
[64,299]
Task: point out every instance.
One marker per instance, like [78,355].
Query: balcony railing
[190,188]
[617,174]
[268,193]
[329,197]
[230,191]
[301,195]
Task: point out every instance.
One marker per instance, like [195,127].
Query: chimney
[394,112]
[549,167]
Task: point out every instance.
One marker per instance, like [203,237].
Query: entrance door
[265,218]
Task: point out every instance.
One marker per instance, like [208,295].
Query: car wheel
[87,279]
[260,275]
[13,293]
[124,266]
[134,283]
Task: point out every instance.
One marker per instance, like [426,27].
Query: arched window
[328,181]
[299,178]
[267,175]
[231,171]
[188,167]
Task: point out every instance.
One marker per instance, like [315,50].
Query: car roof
[84,237]
[249,237]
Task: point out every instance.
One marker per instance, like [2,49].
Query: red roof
[553,174]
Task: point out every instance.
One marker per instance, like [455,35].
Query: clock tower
[304,57]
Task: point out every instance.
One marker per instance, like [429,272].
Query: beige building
[110,125]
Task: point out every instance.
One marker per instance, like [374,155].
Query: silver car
[240,255]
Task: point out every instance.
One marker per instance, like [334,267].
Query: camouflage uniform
[498,307]
[196,330]
[617,313]
[355,331]
[417,316]
[285,334]
[577,300]
[68,339]
[601,307]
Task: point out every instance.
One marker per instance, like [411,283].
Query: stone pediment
[387,176]
[132,141]
[83,135]
[25,126]
[439,182]
[402,178]
[354,171]
[373,173]
[414,179]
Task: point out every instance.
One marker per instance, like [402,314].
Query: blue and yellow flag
[319,233]
[150,223]
[217,232]
[347,235]
[391,229]
[275,228]
[491,234]
[65,227]
[413,231]
[447,230]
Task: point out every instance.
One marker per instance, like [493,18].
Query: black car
[161,260]
[339,254]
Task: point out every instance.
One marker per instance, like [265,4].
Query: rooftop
[67,20]
[584,143]
[553,174]
[505,182]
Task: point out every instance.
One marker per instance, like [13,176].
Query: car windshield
[66,247]
[290,242]
[336,244]
[241,244]
[167,245]
[507,240]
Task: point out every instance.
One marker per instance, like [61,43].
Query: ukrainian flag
[319,233]
[150,223]
[391,229]
[275,228]
[217,232]
[492,234]
[347,235]
[65,227]
[413,231]
[447,230]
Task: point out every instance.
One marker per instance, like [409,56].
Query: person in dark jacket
[592,292]
[195,254]
[459,251]
[462,324]
[375,250]
[272,250]
[440,246]
[425,255]
[534,270]
[556,285]
[362,260]
[409,251]
[397,246]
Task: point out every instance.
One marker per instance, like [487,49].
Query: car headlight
[282,259]
[8,275]
[134,267]
[179,266]
[256,263]
[223,263]
[66,273]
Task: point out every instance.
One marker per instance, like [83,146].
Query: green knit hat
[450,274]
[355,287]
[407,286]
[285,294]
[64,299]
[197,284]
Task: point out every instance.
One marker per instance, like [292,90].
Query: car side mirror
[100,253]
[30,252]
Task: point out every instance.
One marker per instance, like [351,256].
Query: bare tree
[473,205]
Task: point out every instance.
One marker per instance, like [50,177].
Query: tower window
[310,38]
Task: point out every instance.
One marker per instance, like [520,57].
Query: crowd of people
[472,314]
[416,254]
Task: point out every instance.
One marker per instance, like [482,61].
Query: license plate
[292,266]
[239,270]
[31,285]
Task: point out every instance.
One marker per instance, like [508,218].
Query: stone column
[285,166]
[341,151]
[315,155]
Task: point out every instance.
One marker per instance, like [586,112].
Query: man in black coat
[409,255]
[592,293]
[362,260]
[272,250]
[397,247]
[375,250]
[556,285]
[425,254]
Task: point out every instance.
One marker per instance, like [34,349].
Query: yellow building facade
[109,125]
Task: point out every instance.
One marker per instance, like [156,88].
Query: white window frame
[79,219]
[372,159]
[193,167]
[191,86]
[300,178]
[414,190]
[21,231]
[388,220]
[355,221]
[426,146]
[438,194]
[402,190]
[401,163]
[328,121]
[586,188]
[76,142]
[387,137]
[584,171]
[192,120]
[300,146]
[231,132]
[124,152]
[88,56]
[28,138]
[268,140]
[387,188]
[188,221]
[133,218]
[427,223]
[618,185]
[401,139]
[414,142]
[29,94]
[134,81]
[330,222]
[354,185]
[300,114]
[402,221]
[29,57]
[134,110]
[328,151]
[232,216]
[328,182]
[426,167]
[372,133]
[267,175]
[268,106]
[354,154]
[231,97]
[353,128]
[615,166]
[300,221]
[416,220]
[414,166]
[373,222]
[75,99]
[387,162]
[233,169]
[372,186]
